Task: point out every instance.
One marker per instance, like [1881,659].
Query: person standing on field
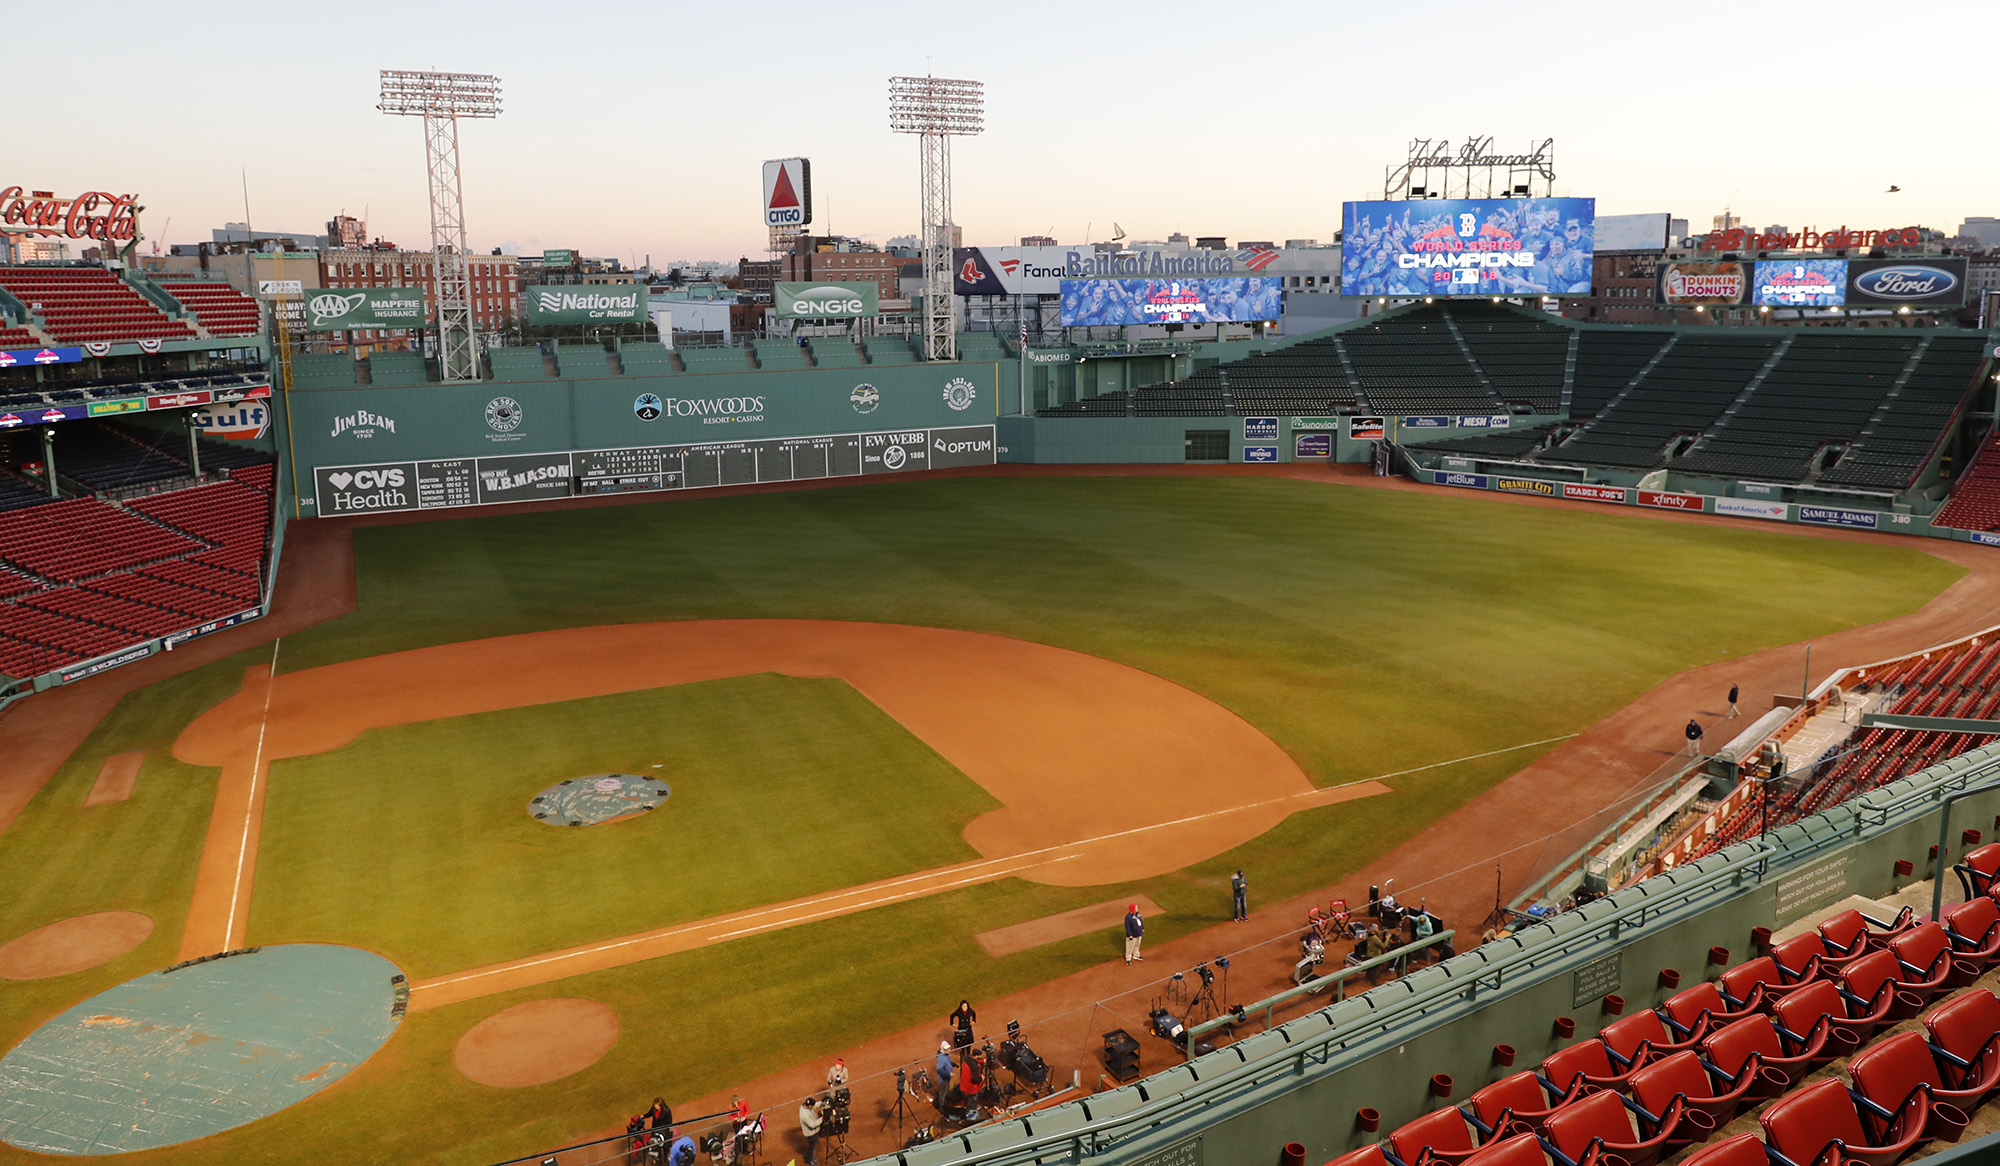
[1694,737]
[1135,930]
[1239,890]
[1734,692]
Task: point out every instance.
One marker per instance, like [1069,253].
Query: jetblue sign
[1469,481]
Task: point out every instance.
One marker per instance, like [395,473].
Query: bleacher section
[1683,395]
[1200,395]
[221,309]
[82,577]
[1975,502]
[579,361]
[103,456]
[322,370]
[1102,405]
[1893,450]
[1522,357]
[890,350]
[1606,361]
[1303,380]
[1509,443]
[717,359]
[1821,392]
[831,352]
[397,368]
[780,354]
[1410,363]
[78,304]
[518,364]
[981,346]
[641,359]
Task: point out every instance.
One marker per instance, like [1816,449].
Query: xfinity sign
[827,301]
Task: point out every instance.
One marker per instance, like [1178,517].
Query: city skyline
[636,132]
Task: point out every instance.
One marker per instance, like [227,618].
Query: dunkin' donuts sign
[94,214]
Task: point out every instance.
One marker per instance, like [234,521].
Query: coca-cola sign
[94,214]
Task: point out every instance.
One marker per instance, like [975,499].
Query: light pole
[441,99]
[935,108]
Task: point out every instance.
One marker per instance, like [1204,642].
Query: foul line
[900,888]
[250,804]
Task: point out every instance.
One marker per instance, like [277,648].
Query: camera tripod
[903,1108]
[1204,999]
[836,1150]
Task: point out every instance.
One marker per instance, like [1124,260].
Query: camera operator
[836,1077]
[809,1123]
[944,1065]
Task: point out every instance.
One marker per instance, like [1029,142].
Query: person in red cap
[1135,930]
[836,1077]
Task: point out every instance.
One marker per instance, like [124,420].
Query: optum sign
[826,301]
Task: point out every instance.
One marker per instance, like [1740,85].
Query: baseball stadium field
[887,718]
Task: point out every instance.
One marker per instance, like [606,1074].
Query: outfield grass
[1365,631]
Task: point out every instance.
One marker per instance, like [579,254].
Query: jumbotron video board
[1230,300]
[1468,247]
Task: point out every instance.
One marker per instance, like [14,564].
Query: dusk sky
[637,129]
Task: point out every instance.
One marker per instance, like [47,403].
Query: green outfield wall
[358,449]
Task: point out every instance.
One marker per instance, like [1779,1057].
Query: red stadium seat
[1753,984]
[1587,1063]
[1641,1037]
[1974,926]
[1753,1054]
[1857,1018]
[1965,1034]
[1892,1068]
[1442,1134]
[1520,1150]
[1925,955]
[1978,868]
[1741,1150]
[1520,1097]
[1599,1125]
[1804,1125]
[1367,1156]
[1692,1011]
[1851,933]
[1876,975]
[1683,1075]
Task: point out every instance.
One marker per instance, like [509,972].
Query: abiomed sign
[625,304]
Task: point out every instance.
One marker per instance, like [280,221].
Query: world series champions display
[1468,247]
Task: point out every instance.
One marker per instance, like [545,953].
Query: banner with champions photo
[1468,247]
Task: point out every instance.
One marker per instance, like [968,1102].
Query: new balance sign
[1838,516]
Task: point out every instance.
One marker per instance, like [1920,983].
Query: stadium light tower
[935,109]
[441,99]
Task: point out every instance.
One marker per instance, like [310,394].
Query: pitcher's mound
[73,944]
[536,1042]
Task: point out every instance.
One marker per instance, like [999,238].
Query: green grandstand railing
[1562,945]
[1336,979]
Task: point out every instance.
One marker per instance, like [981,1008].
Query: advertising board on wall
[1483,247]
[827,301]
[599,304]
[1838,516]
[1365,428]
[1312,445]
[1018,271]
[1233,299]
[788,192]
[1799,283]
[339,309]
[1589,492]
[442,483]
[1750,508]
[1916,283]
[1726,282]
[1670,501]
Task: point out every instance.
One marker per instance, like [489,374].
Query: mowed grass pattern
[782,788]
[1365,631]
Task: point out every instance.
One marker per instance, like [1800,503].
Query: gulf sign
[788,192]
[236,421]
[1666,501]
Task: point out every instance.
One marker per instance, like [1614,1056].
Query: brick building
[818,258]
[495,279]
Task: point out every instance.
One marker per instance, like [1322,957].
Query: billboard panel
[338,309]
[788,192]
[1169,301]
[614,304]
[558,258]
[1705,283]
[1631,232]
[1800,283]
[827,301]
[1468,247]
[1022,271]
[1919,283]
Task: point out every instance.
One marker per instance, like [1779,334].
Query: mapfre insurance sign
[788,192]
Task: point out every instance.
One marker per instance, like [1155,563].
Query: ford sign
[1906,283]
